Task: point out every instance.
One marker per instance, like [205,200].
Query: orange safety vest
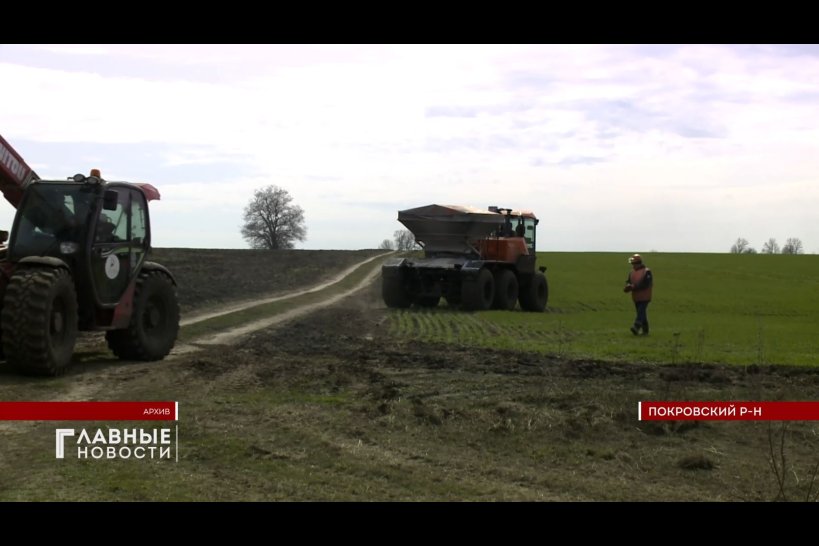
[635,277]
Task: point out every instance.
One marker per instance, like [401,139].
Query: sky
[622,148]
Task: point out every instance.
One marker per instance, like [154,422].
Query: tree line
[792,246]
[402,240]
[272,221]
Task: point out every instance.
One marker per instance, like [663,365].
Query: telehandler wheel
[478,294]
[506,290]
[154,324]
[534,293]
[394,293]
[40,320]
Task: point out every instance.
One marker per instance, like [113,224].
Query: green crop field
[715,308]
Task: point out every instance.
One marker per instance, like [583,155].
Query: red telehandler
[77,260]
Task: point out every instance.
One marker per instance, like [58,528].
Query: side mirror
[4,236]
[109,200]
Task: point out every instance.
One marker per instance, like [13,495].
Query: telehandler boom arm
[15,174]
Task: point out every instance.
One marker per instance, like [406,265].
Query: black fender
[393,267]
[470,269]
[526,264]
[153,266]
[49,261]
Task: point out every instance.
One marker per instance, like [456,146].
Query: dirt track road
[230,336]
[94,369]
[245,304]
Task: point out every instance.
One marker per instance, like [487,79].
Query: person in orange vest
[639,282]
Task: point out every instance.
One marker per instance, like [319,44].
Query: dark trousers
[642,317]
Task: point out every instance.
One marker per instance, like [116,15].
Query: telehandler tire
[154,325]
[39,320]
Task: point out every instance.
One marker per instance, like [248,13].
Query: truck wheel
[394,293]
[534,293]
[453,300]
[506,290]
[40,320]
[427,301]
[154,324]
[478,294]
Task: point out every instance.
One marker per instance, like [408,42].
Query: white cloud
[703,138]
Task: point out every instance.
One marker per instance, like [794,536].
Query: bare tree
[272,221]
[386,244]
[770,247]
[404,240]
[793,246]
[740,246]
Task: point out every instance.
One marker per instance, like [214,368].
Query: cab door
[119,243]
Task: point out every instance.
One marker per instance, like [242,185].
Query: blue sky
[628,148]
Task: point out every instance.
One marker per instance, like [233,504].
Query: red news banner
[89,411]
[728,411]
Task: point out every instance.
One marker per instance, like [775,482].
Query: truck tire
[427,301]
[39,320]
[394,293]
[506,290]
[534,293]
[453,300]
[478,294]
[154,325]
